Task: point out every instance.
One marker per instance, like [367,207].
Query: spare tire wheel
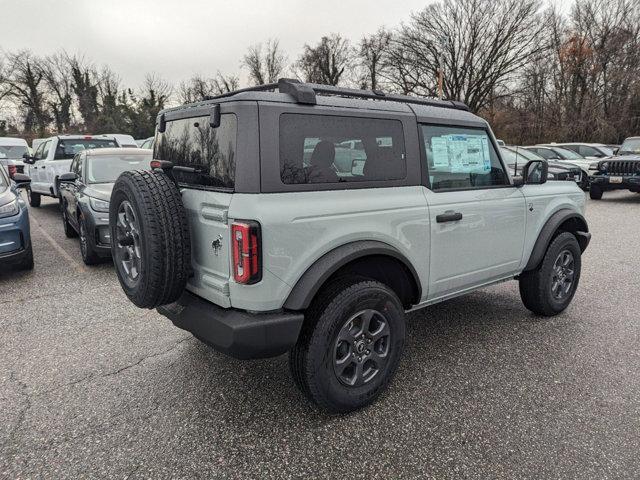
[150,241]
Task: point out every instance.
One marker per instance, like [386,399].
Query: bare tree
[479,43]
[60,91]
[265,67]
[225,83]
[374,58]
[326,62]
[25,86]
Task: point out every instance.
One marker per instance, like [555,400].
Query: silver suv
[308,219]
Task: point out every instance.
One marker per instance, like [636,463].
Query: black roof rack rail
[306,93]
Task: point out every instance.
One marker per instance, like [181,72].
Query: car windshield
[67,148]
[107,168]
[12,151]
[567,154]
[3,180]
[630,145]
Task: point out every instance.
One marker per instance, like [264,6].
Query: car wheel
[89,256]
[350,345]
[69,231]
[584,182]
[549,289]
[34,198]
[595,192]
[150,241]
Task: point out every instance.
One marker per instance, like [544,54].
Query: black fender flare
[317,274]
[550,228]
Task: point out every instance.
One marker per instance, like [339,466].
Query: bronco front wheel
[350,345]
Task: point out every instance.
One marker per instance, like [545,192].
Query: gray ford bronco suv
[309,219]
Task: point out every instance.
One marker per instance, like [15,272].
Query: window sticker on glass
[461,153]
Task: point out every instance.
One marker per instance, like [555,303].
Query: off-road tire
[164,237]
[88,253]
[535,285]
[311,359]
[34,198]
[584,182]
[69,231]
[595,192]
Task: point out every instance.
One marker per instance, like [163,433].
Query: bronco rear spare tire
[150,241]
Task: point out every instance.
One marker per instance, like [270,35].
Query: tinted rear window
[202,156]
[67,148]
[331,149]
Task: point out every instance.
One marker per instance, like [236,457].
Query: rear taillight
[247,258]
[12,170]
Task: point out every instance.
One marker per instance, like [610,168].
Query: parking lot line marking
[60,250]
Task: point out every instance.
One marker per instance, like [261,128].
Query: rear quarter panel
[299,228]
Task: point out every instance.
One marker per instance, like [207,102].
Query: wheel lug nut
[359,359]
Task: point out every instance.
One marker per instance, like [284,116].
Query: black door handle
[448,216]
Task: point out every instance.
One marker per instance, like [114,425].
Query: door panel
[484,245]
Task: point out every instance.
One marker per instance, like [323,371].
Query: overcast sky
[179,38]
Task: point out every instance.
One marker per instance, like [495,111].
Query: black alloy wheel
[361,349]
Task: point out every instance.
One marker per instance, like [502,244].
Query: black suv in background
[620,172]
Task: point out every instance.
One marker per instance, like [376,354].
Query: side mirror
[21,180]
[27,158]
[68,177]
[535,172]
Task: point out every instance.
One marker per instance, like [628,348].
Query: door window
[38,153]
[460,158]
[546,153]
[587,151]
[45,150]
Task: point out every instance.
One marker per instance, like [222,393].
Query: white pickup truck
[53,157]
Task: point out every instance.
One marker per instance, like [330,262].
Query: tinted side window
[38,153]
[587,151]
[331,149]
[202,156]
[460,157]
[546,153]
[45,150]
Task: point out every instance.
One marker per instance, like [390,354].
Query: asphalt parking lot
[91,386]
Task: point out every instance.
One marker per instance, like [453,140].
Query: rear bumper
[629,182]
[237,333]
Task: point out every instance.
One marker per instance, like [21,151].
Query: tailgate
[208,225]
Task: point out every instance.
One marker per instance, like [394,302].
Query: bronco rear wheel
[150,241]
[350,345]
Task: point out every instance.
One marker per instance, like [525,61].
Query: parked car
[147,143]
[257,251]
[53,158]
[12,152]
[15,235]
[590,151]
[517,158]
[552,152]
[85,192]
[124,140]
[620,172]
